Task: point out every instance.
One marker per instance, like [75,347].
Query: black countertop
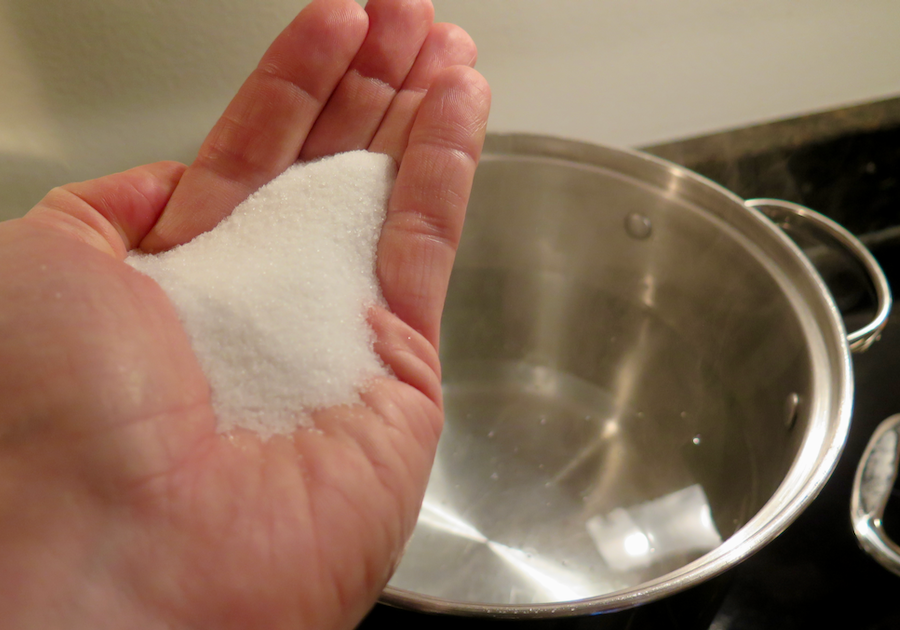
[844,164]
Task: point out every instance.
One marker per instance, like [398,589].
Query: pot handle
[786,214]
[872,487]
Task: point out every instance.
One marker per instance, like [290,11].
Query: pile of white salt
[274,299]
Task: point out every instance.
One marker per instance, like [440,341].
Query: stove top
[845,164]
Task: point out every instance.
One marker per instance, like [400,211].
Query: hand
[120,505]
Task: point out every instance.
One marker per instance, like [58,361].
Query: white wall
[632,72]
[92,86]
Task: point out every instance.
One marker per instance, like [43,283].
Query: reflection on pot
[636,537]
[547,577]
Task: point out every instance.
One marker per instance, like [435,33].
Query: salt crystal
[274,299]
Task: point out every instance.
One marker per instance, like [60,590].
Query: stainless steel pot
[645,382]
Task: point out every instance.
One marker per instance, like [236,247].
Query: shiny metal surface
[619,342]
[805,225]
[875,478]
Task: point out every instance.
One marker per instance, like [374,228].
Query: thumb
[112,213]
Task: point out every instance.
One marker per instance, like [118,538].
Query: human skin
[120,504]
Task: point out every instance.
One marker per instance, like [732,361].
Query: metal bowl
[645,381]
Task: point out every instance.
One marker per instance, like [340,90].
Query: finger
[446,45]
[113,213]
[264,126]
[428,204]
[351,118]
[410,357]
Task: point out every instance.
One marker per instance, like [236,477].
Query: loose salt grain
[274,299]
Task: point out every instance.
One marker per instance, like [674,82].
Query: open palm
[120,505]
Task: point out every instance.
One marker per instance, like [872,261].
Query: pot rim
[821,446]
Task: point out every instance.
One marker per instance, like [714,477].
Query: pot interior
[621,368]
